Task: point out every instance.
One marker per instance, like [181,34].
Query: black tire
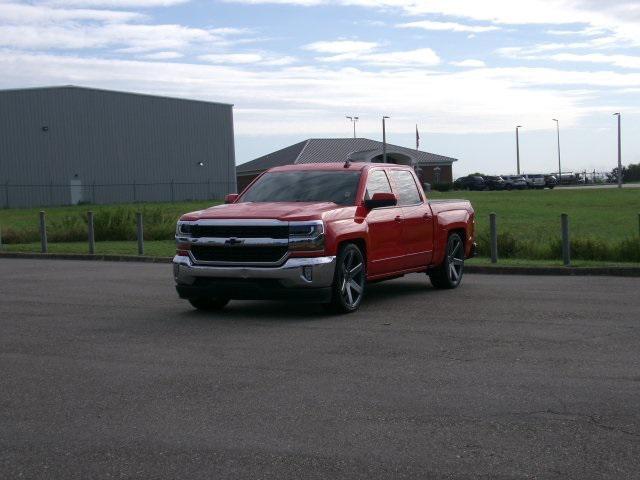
[449,274]
[509,187]
[208,304]
[349,280]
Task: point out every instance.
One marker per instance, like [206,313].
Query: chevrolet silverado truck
[320,232]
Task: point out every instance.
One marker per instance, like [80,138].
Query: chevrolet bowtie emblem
[233,241]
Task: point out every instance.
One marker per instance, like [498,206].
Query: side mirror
[380,200]
[231,198]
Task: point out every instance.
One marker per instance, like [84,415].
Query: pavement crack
[592,419]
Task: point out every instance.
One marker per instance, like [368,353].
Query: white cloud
[448,26]
[165,55]
[132,38]
[341,47]
[585,32]
[44,27]
[237,58]
[508,94]
[351,51]
[622,61]
[620,16]
[16,13]
[470,63]
[418,57]
[118,3]
[247,59]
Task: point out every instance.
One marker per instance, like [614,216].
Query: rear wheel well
[461,232]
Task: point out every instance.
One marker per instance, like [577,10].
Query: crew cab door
[417,220]
[384,248]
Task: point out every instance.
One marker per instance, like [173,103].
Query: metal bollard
[140,231]
[92,239]
[566,252]
[43,233]
[494,237]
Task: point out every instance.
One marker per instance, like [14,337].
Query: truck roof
[353,166]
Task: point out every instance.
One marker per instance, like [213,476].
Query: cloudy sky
[466,71]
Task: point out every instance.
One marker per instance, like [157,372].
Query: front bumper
[297,278]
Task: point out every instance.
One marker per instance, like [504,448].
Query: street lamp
[518,148]
[353,120]
[619,151]
[384,140]
[559,164]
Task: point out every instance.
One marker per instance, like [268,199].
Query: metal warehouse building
[67,145]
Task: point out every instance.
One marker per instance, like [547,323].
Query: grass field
[603,223]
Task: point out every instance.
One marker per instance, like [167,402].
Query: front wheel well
[359,242]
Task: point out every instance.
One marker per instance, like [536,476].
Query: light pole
[518,148]
[559,164]
[384,140]
[619,151]
[353,120]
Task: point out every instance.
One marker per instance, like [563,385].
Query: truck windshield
[305,186]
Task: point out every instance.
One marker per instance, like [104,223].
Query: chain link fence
[74,193]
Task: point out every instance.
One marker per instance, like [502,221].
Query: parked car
[470,182]
[550,181]
[535,181]
[494,182]
[514,182]
[320,232]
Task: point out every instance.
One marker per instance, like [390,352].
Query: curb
[555,271]
[82,256]
[486,270]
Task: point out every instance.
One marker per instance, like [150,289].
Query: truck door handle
[398,218]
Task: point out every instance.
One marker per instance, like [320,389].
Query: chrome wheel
[351,278]
[449,273]
[455,257]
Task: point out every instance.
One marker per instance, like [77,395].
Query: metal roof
[324,150]
[76,87]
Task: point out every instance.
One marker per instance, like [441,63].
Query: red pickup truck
[320,232]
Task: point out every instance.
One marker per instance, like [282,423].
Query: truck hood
[286,211]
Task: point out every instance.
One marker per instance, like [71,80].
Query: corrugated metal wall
[120,147]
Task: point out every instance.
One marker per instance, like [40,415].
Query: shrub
[442,187]
[25,235]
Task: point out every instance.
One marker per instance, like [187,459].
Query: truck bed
[440,206]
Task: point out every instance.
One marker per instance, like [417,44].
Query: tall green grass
[117,223]
[581,248]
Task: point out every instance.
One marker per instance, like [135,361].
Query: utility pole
[384,140]
[619,151]
[559,164]
[353,120]
[518,148]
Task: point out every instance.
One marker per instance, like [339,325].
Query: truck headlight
[306,235]
[184,229]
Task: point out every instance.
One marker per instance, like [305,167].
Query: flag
[417,138]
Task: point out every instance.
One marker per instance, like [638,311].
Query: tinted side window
[408,193]
[377,183]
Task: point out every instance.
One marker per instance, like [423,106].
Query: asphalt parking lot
[106,374]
